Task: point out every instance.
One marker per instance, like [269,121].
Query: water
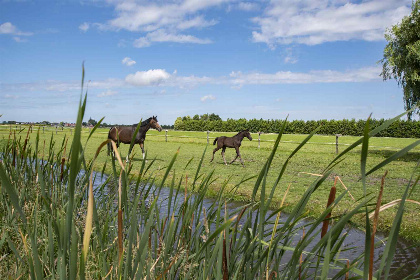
[406,259]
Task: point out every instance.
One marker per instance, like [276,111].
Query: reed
[124,227]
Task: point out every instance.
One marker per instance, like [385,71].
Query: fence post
[166,135]
[336,142]
[43,129]
[55,130]
[208,132]
[71,131]
[259,138]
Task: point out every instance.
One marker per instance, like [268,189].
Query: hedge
[400,128]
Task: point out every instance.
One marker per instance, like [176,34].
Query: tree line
[400,128]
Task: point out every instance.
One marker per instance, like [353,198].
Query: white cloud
[161,21]
[367,74]
[107,93]
[84,26]
[9,28]
[128,61]
[148,78]
[196,22]
[207,97]
[10,96]
[20,40]
[236,80]
[248,6]
[162,36]
[315,22]
[289,56]
[150,16]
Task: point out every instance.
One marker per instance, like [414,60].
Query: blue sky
[239,59]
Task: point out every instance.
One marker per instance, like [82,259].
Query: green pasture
[301,172]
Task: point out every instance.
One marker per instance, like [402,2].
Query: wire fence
[168,137]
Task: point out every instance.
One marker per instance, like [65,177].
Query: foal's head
[247,134]
[154,123]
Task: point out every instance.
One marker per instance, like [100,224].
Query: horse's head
[154,124]
[248,135]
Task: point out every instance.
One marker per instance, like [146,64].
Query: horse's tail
[215,140]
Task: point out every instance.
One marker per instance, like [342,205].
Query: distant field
[312,158]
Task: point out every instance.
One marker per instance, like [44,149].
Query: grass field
[312,158]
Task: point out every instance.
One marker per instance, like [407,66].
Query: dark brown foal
[224,142]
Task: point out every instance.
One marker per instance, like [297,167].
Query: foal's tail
[215,140]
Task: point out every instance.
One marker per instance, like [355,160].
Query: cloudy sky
[309,59]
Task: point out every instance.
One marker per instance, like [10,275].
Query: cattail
[375,223]
[26,142]
[348,268]
[225,267]
[14,149]
[331,199]
[120,233]
[273,275]
[63,160]
[14,157]
[301,257]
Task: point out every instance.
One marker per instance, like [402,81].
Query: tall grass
[56,224]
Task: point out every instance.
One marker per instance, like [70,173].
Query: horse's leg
[238,154]
[234,159]
[142,149]
[223,155]
[128,155]
[215,150]
[113,151]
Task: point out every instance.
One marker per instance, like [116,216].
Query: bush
[400,128]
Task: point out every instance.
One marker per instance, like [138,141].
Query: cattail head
[331,199]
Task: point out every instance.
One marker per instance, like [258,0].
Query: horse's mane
[241,131]
[143,123]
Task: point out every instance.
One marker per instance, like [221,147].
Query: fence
[201,136]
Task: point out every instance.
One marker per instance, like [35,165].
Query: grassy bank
[302,169]
[56,224]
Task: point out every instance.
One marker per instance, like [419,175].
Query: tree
[402,57]
[196,117]
[214,117]
[178,123]
[92,121]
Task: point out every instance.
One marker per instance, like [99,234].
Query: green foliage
[402,57]
[57,224]
[92,122]
[399,128]
[40,239]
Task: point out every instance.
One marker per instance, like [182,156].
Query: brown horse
[123,134]
[224,142]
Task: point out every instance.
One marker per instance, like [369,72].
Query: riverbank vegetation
[56,222]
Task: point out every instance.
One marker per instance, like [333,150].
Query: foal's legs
[215,150]
[223,154]
[238,154]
